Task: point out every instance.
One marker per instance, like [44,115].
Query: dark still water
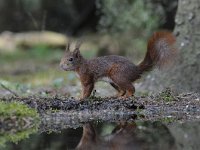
[116,136]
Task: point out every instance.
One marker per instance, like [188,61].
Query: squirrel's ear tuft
[78,44]
[68,46]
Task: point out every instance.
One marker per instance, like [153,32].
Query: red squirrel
[118,70]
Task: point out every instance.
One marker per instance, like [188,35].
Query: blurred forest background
[76,17]
[33,35]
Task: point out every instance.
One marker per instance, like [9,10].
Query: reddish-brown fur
[120,71]
[121,138]
[126,136]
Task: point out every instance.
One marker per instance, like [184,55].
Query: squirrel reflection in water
[147,136]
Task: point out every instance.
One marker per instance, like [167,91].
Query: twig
[6,88]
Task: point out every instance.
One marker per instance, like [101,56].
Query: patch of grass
[16,109]
[43,52]
[37,66]
[51,77]
[40,52]
[16,87]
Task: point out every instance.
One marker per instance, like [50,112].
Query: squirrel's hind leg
[130,90]
[125,86]
[120,91]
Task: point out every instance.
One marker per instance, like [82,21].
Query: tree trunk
[185,74]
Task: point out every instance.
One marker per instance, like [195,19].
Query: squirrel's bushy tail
[160,51]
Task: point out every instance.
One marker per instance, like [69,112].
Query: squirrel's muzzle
[66,67]
[62,66]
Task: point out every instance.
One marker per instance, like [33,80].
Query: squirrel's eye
[71,59]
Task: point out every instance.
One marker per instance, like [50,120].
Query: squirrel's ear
[68,46]
[77,53]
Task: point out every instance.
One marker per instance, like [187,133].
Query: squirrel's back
[102,66]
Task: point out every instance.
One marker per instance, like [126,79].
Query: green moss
[16,109]
[9,136]
[167,95]
[168,98]
[14,117]
[167,120]
[94,98]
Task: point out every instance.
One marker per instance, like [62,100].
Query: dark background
[72,17]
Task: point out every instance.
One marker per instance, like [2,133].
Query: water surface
[105,135]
